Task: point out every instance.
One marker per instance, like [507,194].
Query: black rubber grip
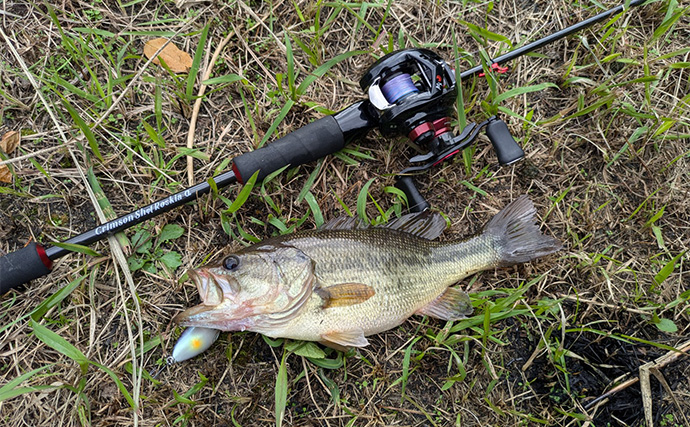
[19,267]
[415,201]
[306,144]
[507,149]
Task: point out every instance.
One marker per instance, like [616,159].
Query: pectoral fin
[344,294]
[345,339]
[450,305]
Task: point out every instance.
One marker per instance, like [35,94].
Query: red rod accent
[44,258]
[237,174]
[497,68]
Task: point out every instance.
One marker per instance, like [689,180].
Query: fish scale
[338,285]
[405,271]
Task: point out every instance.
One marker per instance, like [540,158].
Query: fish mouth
[199,315]
[222,317]
[211,295]
[215,311]
[210,291]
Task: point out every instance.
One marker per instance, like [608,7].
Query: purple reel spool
[398,88]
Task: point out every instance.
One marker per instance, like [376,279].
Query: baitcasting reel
[412,92]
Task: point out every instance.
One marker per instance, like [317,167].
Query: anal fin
[354,338]
[452,304]
[344,294]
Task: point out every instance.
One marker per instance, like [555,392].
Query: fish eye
[231,263]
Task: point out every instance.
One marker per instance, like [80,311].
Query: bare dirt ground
[607,160]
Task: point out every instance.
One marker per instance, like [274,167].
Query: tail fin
[516,235]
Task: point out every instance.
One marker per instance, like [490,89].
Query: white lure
[192,342]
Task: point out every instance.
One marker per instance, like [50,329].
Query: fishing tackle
[423,110]
[192,342]
[411,92]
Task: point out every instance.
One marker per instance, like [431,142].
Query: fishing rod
[410,92]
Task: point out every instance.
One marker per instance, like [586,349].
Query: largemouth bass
[343,282]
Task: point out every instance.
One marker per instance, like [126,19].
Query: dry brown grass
[585,321]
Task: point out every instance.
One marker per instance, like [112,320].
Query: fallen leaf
[177,60]
[5,175]
[10,141]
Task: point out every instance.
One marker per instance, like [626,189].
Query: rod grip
[306,144]
[19,267]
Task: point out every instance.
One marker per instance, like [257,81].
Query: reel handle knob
[415,200]
[507,149]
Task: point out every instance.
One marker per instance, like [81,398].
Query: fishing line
[470,56]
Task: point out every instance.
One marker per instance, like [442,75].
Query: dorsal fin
[427,224]
[345,223]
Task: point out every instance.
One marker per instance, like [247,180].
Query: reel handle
[415,201]
[507,149]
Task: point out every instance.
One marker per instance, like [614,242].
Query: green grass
[602,117]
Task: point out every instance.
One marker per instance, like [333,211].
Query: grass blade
[59,344]
[108,210]
[194,70]
[290,68]
[117,382]
[77,248]
[666,270]
[244,194]
[86,130]
[55,299]
[4,395]
[9,390]
[281,391]
[460,102]
[314,206]
[323,69]
[281,115]
[310,181]
[478,32]
[362,201]
[522,90]
[406,367]
[228,78]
